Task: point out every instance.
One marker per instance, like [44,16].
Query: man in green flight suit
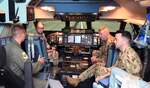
[16,57]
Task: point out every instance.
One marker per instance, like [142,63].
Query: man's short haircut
[125,34]
[103,28]
[37,22]
[17,29]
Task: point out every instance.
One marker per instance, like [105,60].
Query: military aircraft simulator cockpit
[62,37]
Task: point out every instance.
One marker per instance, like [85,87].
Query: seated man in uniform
[54,56]
[98,59]
[16,57]
[128,59]
[107,40]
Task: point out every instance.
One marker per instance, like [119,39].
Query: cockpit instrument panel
[78,39]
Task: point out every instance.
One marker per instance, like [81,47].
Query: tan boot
[73,81]
[56,69]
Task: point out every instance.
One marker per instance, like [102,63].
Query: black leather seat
[112,56]
[111,60]
[39,47]
[28,75]
[7,78]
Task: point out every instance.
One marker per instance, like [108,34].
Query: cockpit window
[112,25]
[49,26]
[55,25]
[129,28]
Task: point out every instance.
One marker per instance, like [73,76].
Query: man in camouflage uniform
[99,57]
[16,57]
[107,41]
[128,59]
[53,54]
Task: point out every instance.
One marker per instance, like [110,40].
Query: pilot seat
[10,80]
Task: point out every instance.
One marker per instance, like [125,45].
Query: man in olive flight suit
[99,57]
[16,57]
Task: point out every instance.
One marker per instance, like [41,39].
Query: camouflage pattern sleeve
[102,53]
[130,62]
[57,55]
[100,70]
[54,55]
[96,53]
[105,47]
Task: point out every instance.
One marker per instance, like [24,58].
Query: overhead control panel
[76,6]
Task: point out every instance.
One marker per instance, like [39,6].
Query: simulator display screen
[95,41]
[70,39]
[78,39]
[87,39]
[60,39]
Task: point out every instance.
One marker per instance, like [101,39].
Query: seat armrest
[28,75]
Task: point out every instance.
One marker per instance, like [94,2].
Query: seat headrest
[2,56]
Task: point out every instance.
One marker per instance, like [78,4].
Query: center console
[72,66]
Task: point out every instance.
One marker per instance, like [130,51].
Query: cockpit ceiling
[70,10]
[76,6]
[82,10]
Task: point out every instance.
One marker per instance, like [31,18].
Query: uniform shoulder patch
[24,56]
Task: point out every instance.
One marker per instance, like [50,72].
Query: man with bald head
[98,57]
[107,41]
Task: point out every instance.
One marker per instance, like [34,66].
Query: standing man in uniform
[16,57]
[128,59]
[40,28]
[55,56]
[98,58]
